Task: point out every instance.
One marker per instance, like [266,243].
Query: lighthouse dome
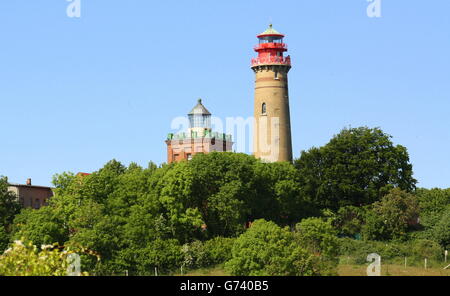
[271,32]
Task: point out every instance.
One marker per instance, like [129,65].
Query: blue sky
[75,93]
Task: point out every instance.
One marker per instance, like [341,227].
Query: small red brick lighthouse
[198,139]
[272,132]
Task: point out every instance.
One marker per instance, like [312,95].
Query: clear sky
[77,92]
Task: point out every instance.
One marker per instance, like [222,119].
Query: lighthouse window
[276,75]
[263,111]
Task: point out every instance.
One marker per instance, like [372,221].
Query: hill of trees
[259,218]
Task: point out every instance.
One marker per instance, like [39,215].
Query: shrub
[165,255]
[268,250]
[349,220]
[219,249]
[426,249]
[391,217]
[195,255]
[24,259]
[319,237]
[441,231]
[4,239]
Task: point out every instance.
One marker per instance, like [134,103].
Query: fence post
[426,261]
[406,260]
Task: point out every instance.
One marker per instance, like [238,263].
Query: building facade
[31,196]
[199,137]
[272,131]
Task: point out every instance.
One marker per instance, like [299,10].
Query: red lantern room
[271,49]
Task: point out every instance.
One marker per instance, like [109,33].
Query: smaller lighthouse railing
[271,45]
[271,61]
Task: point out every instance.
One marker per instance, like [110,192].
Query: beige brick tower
[272,131]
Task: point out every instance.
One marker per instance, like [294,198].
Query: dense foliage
[391,217]
[194,214]
[269,250]
[25,259]
[356,168]
[9,208]
[137,219]
[319,238]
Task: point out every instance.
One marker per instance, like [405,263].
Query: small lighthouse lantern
[199,117]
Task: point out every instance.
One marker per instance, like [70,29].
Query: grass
[213,271]
[347,270]
[392,270]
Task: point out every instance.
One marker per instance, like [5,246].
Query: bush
[4,239]
[268,250]
[204,254]
[219,249]
[426,249]
[318,236]
[441,231]
[391,217]
[24,259]
[195,255]
[349,220]
[165,255]
[357,250]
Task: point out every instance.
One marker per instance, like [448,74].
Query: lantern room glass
[200,120]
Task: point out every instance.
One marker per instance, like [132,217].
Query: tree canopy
[196,213]
[356,168]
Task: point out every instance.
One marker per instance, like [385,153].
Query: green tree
[9,208]
[43,226]
[357,167]
[268,250]
[4,239]
[426,249]
[441,231]
[222,190]
[349,220]
[164,255]
[278,195]
[432,202]
[320,238]
[391,217]
[9,204]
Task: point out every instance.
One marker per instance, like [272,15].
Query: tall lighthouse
[272,131]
